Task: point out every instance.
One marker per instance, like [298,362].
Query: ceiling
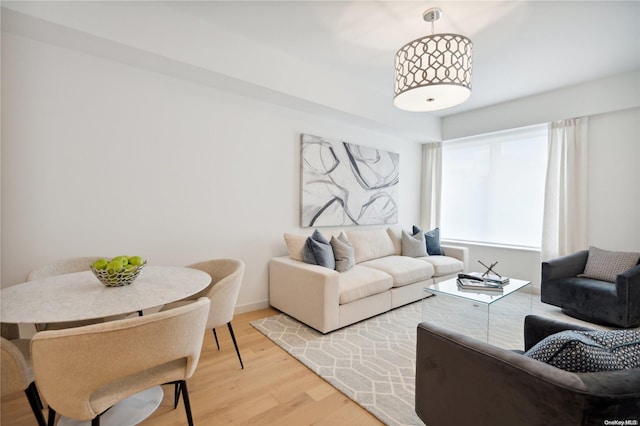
[337,57]
[520,47]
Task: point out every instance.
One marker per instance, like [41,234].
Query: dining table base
[128,412]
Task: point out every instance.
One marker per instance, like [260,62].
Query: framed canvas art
[347,184]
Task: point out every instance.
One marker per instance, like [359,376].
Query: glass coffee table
[493,316]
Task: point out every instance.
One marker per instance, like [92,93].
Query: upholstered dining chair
[226,279]
[65,266]
[84,371]
[17,374]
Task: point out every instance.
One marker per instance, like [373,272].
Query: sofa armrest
[309,293]
[564,267]
[628,291]
[458,252]
[500,387]
[537,328]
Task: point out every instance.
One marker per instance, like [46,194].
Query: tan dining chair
[65,266]
[83,371]
[17,374]
[226,280]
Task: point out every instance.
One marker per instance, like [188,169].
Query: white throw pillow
[295,244]
[343,253]
[413,245]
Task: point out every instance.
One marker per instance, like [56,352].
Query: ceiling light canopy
[433,72]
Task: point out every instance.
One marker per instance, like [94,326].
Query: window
[493,187]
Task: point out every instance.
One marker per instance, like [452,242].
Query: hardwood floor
[273,389]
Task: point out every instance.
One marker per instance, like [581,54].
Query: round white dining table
[81,296]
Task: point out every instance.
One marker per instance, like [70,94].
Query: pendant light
[433,72]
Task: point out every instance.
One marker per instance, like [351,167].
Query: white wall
[102,158]
[614,93]
[162,37]
[614,180]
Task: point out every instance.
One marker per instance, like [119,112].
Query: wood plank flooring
[273,389]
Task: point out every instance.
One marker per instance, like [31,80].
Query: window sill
[491,245]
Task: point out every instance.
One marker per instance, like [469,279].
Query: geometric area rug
[373,362]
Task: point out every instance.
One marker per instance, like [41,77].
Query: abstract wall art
[346,184]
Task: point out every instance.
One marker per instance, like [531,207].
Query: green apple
[136,260]
[100,264]
[123,259]
[114,266]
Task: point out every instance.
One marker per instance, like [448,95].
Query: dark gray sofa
[464,381]
[591,300]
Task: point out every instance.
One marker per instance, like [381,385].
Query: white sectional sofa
[382,279]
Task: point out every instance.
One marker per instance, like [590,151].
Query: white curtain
[431,185]
[564,228]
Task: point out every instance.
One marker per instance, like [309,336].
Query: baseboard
[249,307]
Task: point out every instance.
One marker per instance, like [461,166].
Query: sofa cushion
[360,282]
[342,252]
[444,265]
[404,270]
[413,245]
[589,351]
[371,244]
[318,251]
[295,245]
[395,232]
[606,265]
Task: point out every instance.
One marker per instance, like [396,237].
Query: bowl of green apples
[118,271]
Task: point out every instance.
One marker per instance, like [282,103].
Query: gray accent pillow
[606,265]
[589,351]
[433,242]
[343,253]
[318,251]
[413,245]
[432,239]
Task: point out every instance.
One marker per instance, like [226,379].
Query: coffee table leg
[425,295]
[488,321]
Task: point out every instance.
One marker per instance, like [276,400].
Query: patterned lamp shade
[433,72]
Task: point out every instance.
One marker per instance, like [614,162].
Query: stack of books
[478,281]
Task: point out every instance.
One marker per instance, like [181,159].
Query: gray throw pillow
[343,253]
[589,351]
[413,245]
[433,242]
[606,265]
[432,239]
[318,251]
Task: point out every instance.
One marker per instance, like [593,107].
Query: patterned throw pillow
[606,265]
[589,351]
[343,253]
[318,251]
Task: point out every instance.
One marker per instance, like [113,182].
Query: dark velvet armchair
[588,299]
[464,381]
